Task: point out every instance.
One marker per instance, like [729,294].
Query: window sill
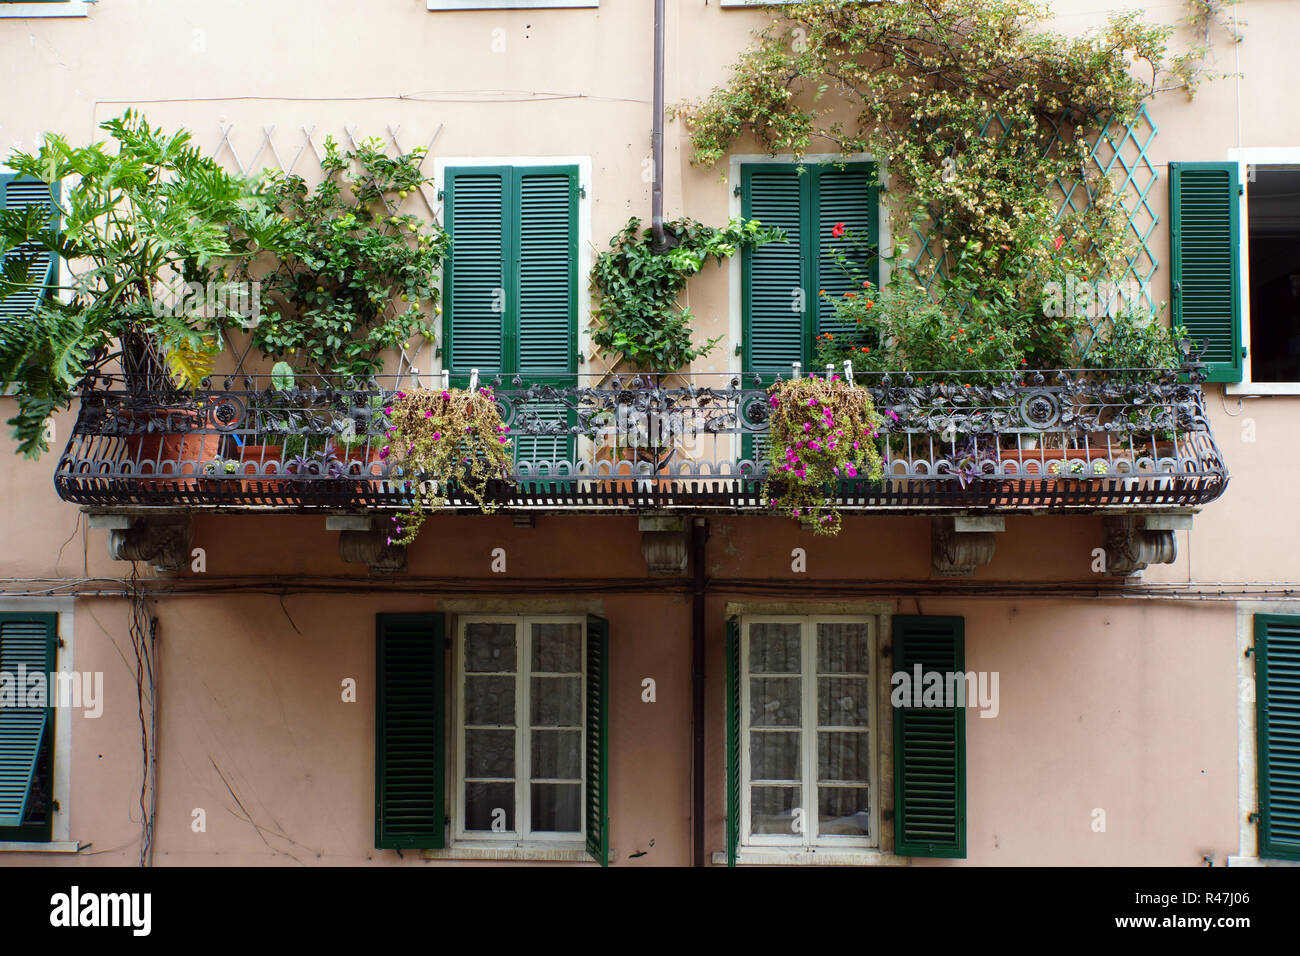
[776,856]
[510,4]
[1257,861]
[54,846]
[541,854]
[1262,389]
[73,8]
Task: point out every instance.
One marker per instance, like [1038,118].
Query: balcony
[1118,441]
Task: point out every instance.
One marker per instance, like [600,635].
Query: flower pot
[635,473]
[176,455]
[266,462]
[1055,466]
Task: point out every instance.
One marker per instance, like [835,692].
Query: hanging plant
[440,439]
[822,432]
[635,315]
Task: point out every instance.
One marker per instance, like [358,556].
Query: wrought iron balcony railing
[994,441]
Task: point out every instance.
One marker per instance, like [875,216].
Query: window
[1273,254]
[1277,702]
[524,763]
[807,705]
[41,269]
[805,725]
[28,645]
[832,220]
[44,8]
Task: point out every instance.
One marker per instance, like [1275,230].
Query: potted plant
[822,433]
[443,442]
[131,220]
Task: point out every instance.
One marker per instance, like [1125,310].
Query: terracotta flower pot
[168,457]
[1055,466]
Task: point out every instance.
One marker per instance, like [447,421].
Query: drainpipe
[657,134]
[699,535]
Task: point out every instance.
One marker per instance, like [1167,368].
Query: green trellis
[1118,152]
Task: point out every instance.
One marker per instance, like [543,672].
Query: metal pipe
[657,133]
[700,583]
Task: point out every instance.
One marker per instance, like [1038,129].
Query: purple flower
[814,446]
[851,469]
[401,395]
[428,413]
[437,435]
[807,426]
[383,453]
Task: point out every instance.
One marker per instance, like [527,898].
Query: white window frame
[69,8]
[809,841]
[61,826]
[1245,158]
[511,4]
[522,836]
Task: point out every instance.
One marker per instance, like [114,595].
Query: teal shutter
[597,802]
[929,744]
[775,294]
[475,294]
[1204,227]
[28,645]
[733,740]
[410,693]
[41,271]
[1277,703]
[849,196]
[547,271]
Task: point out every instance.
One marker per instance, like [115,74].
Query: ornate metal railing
[1059,441]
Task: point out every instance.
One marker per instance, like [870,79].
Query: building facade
[652,670]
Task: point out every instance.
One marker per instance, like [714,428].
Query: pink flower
[401,395]
[807,426]
[388,411]
[437,435]
[383,453]
[851,469]
[504,441]
[855,445]
[814,446]
[446,395]
[428,414]
[837,230]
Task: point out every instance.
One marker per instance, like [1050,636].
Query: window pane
[557,648]
[557,807]
[772,809]
[843,701]
[557,754]
[774,648]
[489,802]
[842,649]
[556,701]
[490,647]
[490,753]
[774,755]
[490,701]
[843,811]
[844,756]
[774,701]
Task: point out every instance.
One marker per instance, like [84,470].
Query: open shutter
[1277,702]
[409,700]
[42,269]
[775,293]
[1204,226]
[475,295]
[929,743]
[848,196]
[597,802]
[28,644]
[733,740]
[547,270]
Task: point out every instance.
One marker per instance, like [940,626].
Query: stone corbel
[960,544]
[664,544]
[1132,543]
[364,540]
[162,540]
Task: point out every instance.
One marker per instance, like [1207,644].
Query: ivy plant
[354,278]
[635,313]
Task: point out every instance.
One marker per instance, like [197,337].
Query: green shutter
[409,700]
[28,645]
[775,293]
[597,802]
[475,294]
[41,269]
[733,740]
[1277,702]
[848,196]
[1204,226]
[929,744]
[546,265]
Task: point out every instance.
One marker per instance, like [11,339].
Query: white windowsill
[544,854]
[1262,388]
[60,846]
[777,856]
[72,8]
[510,4]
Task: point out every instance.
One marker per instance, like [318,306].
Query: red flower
[1058,242]
[837,230]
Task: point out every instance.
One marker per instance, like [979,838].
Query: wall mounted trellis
[1118,152]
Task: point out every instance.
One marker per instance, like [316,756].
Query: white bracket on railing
[795,366]
[415,377]
[446,379]
[830,371]
[473,380]
[848,372]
